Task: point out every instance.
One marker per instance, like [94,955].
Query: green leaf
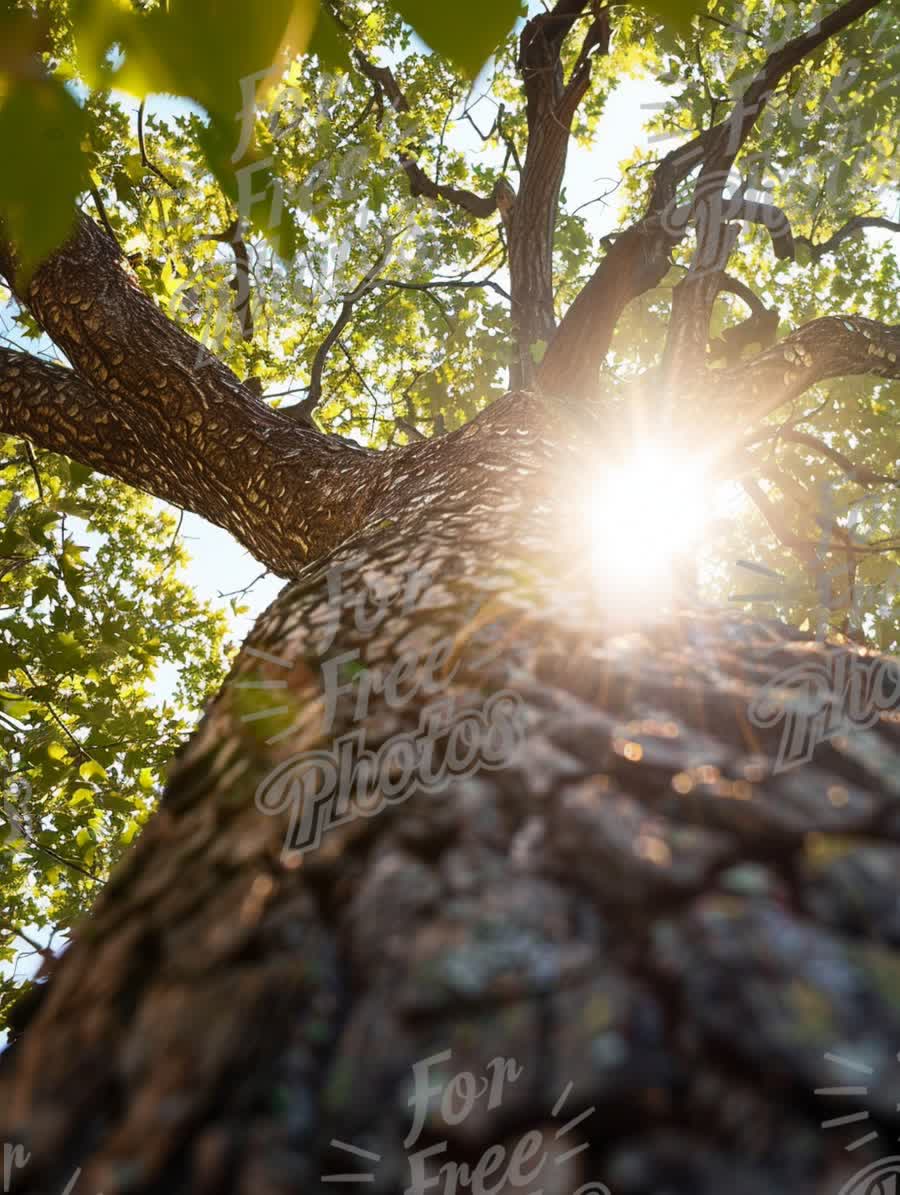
[9,660]
[129,832]
[79,473]
[252,186]
[201,49]
[328,43]
[19,709]
[41,128]
[537,351]
[211,53]
[467,31]
[91,769]
[676,14]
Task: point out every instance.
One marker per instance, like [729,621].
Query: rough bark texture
[635,908]
[664,934]
[175,420]
[551,106]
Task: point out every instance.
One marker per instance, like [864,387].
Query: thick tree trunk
[633,914]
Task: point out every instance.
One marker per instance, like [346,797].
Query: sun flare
[643,519]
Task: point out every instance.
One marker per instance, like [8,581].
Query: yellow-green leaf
[91,770]
[467,31]
[41,127]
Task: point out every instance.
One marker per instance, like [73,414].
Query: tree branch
[851,228]
[55,409]
[146,160]
[693,298]
[834,346]
[854,471]
[760,328]
[778,524]
[148,404]
[639,258]
[420,184]
[692,304]
[551,104]
[447,284]
[711,216]
[303,410]
[728,138]
[240,284]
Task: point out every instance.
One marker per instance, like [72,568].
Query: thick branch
[240,464]
[835,346]
[692,303]
[760,328]
[711,215]
[551,104]
[55,409]
[639,258]
[851,228]
[728,137]
[636,261]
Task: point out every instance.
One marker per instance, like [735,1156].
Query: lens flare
[642,521]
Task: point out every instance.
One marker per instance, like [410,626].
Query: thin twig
[145,159]
[101,211]
[82,750]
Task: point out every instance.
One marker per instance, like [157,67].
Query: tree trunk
[462,868]
[638,932]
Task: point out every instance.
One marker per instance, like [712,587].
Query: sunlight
[644,520]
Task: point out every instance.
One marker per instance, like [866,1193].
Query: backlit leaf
[41,127]
[467,31]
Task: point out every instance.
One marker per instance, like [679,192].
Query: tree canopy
[354,206]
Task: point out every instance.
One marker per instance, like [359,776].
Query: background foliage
[91,606]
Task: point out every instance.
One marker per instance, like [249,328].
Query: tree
[632,928]
[86,622]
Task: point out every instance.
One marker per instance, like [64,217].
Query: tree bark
[176,421]
[635,913]
[552,102]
